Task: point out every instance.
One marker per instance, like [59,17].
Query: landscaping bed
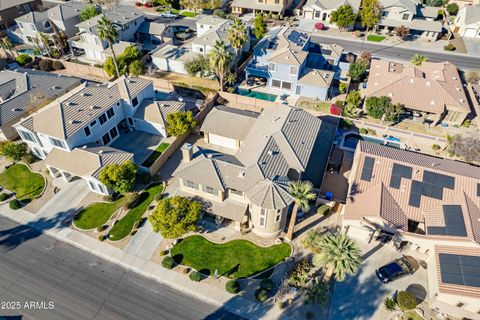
[234,259]
[19,179]
[375,38]
[124,226]
[154,156]
[96,214]
[184,13]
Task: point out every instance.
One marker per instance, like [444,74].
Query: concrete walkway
[144,243]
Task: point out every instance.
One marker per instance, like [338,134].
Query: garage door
[470,33]
[222,141]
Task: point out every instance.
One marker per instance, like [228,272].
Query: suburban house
[127,21]
[426,204]
[23,91]
[12,9]
[467,22]
[290,62]
[154,33]
[322,9]
[246,161]
[260,6]
[95,125]
[64,17]
[434,89]
[420,19]
[210,29]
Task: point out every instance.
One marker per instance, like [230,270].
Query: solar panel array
[460,269]
[431,186]
[367,170]
[478,189]
[398,172]
[454,223]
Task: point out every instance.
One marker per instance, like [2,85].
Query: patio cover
[229,209]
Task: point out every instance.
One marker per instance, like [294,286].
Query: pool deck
[379,140]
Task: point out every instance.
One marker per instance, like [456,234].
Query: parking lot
[361,297]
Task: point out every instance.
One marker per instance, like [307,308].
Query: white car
[169,14]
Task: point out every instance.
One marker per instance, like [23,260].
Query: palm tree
[106,31]
[7,44]
[44,39]
[220,58]
[59,38]
[237,36]
[301,191]
[4,49]
[418,59]
[339,254]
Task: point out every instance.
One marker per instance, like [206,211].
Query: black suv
[397,268]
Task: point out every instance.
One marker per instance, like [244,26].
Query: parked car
[398,268]
[169,14]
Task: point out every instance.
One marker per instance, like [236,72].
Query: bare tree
[467,148]
[402,32]
[472,77]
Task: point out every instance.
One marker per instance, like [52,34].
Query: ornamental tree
[13,151]
[119,177]
[343,17]
[180,122]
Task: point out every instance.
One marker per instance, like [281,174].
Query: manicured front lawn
[97,214]
[154,156]
[24,183]
[189,14]
[125,225]
[375,38]
[234,259]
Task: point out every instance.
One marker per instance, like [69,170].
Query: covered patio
[139,143]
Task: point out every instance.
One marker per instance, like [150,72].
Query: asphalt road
[64,282]
[393,52]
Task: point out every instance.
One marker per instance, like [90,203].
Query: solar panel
[454,223]
[460,269]
[398,172]
[431,186]
[367,170]
[478,189]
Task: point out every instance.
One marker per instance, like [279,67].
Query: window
[134,101]
[106,138]
[293,70]
[263,217]
[272,67]
[460,304]
[101,188]
[385,14]
[57,143]
[317,14]
[102,119]
[200,49]
[26,136]
[20,25]
[286,85]
[87,131]
[276,83]
[130,121]
[32,26]
[191,184]
[113,132]
[235,192]
[110,113]
[405,16]
[92,185]
[97,41]
[209,190]
[94,122]
[278,217]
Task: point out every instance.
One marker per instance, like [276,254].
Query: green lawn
[234,259]
[189,14]
[375,38]
[411,315]
[97,214]
[24,183]
[154,156]
[123,227]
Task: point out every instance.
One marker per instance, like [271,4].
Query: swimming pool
[350,141]
[160,95]
[256,94]
[27,51]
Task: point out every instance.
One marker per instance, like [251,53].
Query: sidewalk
[56,226]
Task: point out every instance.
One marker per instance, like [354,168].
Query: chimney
[187,152]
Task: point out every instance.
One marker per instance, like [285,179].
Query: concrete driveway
[361,297]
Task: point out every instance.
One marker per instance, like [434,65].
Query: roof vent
[271,153]
[241,174]
[428,83]
[92,107]
[412,80]
[454,78]
[209,156]
[84,147]
[432,103]
[16,110]
[275,118]
[100,152]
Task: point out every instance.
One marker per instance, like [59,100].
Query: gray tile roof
[60,12]
[120,15]
[270,195]
[333,4]
[249,4]
[157,111]
[6,4]
[229,122]
[472,14]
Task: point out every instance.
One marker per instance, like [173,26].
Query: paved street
[35,267]
[397,53]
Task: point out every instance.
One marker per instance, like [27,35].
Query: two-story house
[127,21]
[12,9]
[75,133]
[260,6]
[420,19]
[244,166]
[467,22]
[292,63]
[322,9]
[64,16]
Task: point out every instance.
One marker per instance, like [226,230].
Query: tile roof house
[322,9]
[12,9]
[292,63]
[257,6]
[23,91]
[420,19]
[467,22]
[433,88]
[64,17]
[249,159]
[431,204]
[75,132]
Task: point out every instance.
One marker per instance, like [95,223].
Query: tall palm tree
[59,38]
[106,31]
[44,40]
[339,254]
[237,36]
[7,44]
[220,58]
[418,59]
[301,191]
[4,49]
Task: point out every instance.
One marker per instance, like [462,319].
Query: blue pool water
[351,140]
[160,95]
[256,94]
[28,51]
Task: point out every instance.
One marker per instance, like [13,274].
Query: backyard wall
[247,103]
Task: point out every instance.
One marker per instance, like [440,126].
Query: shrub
[220,13]
[58,65]
[23,59]
[298,276]
[335,110]
[100,228]
[15,204]
[406,300]
[163,253]
[316,293]
[452,8]
[436,147]
[101,237]
[45,65]
[168,262]
[389,304]
[345,124]
[131,200]
[323,210]
[4,196]
[195,276]
[266,284]
[29,158]
[466,123]
[363,131]
[450,47]
[232,286]
[342,87]
[261,295]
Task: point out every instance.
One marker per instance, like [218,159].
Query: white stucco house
[467,22]
[321,10]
